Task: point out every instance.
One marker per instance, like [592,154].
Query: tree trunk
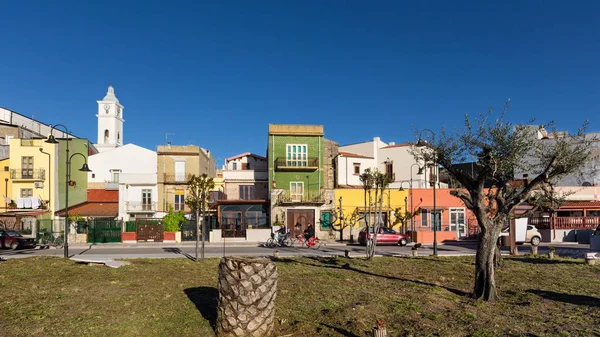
[485,284]
[247,291]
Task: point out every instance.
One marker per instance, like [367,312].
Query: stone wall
[330,152]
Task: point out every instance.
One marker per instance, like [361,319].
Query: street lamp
[84,168]
[421,142]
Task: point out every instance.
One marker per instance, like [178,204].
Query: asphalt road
[150,250]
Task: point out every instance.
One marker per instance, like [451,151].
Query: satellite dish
[586,183]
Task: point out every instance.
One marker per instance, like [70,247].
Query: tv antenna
[167,137]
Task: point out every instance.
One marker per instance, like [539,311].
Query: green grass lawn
[316,297]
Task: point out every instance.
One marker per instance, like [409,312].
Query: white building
[393,159]
[110,122]
[136,179]
[131,169]
[246,177]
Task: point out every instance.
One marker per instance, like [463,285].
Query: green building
[301,190]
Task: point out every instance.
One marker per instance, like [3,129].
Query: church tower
[110,122]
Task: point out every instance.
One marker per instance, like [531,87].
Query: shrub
[173,220]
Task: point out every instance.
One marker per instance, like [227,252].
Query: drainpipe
[319,170]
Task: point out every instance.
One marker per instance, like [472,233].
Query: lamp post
[84,168]
[421,142]
[5,194]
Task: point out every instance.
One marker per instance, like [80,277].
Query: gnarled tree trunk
[485,261]
[247,291]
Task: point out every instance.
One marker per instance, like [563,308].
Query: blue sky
[216,74]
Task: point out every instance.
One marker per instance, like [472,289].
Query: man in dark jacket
[309,232]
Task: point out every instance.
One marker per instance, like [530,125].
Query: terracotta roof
[100,195]
[104,209]
[354,155]
[245,154]
[398,145]
[580,204]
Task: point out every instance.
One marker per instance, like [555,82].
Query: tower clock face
[106,107]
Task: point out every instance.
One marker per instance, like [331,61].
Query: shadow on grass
[206,300]
[566,298]
[534,260]
[332,264]
[341,331]
[179,251]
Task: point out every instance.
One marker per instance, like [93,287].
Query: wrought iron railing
[138,206]
[176,178]
[37,174]
[310,163]
[570,222]
[310,196]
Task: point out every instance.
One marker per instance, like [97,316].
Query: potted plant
[12,204]
[551,251]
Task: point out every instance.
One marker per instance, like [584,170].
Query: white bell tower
[110,122]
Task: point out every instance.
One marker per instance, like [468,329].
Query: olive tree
[502,150]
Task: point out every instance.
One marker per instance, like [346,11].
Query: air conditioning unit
[38,184]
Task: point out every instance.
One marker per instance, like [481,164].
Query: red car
[14,240]
[385,236]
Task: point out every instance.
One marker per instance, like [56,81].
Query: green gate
[104,230]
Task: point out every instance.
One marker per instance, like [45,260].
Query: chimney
[526,179]
[391,143]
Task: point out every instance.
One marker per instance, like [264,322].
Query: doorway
[457,222]
[298,220]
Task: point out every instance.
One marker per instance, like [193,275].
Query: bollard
[534,250]
[346,253]
[276,253]
[414,252]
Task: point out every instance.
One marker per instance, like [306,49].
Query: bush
[173,220]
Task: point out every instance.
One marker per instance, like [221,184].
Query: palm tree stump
[247,291]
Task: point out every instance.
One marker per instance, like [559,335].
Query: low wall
[566,235]
[78,238]
[427,237]
[129,237]
[252,235]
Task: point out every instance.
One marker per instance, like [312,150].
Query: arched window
[106,136]
[118,137]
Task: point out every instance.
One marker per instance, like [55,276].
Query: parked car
[14,240]
[384,236]
[533,236]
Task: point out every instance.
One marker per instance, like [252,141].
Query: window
[437,218]
[27,167]
[179,200]
[93,175]
[297,155]
[106,136]
[424,222]
[326,221]
[246,192]
[26,192]
[297,190]
[389,170]
[146,200]
[114,176]
[356,169]
[235,166]
[179,171]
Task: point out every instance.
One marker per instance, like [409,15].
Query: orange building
[454,221]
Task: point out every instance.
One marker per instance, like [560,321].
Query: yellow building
[5,183]
[353,201]
[38,169]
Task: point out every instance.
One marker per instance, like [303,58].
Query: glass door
[457,222]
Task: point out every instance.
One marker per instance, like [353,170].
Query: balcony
[571,222]
[27,174]
[312,197]
[140,207]
[175,178]
[283,164]
[111,185]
